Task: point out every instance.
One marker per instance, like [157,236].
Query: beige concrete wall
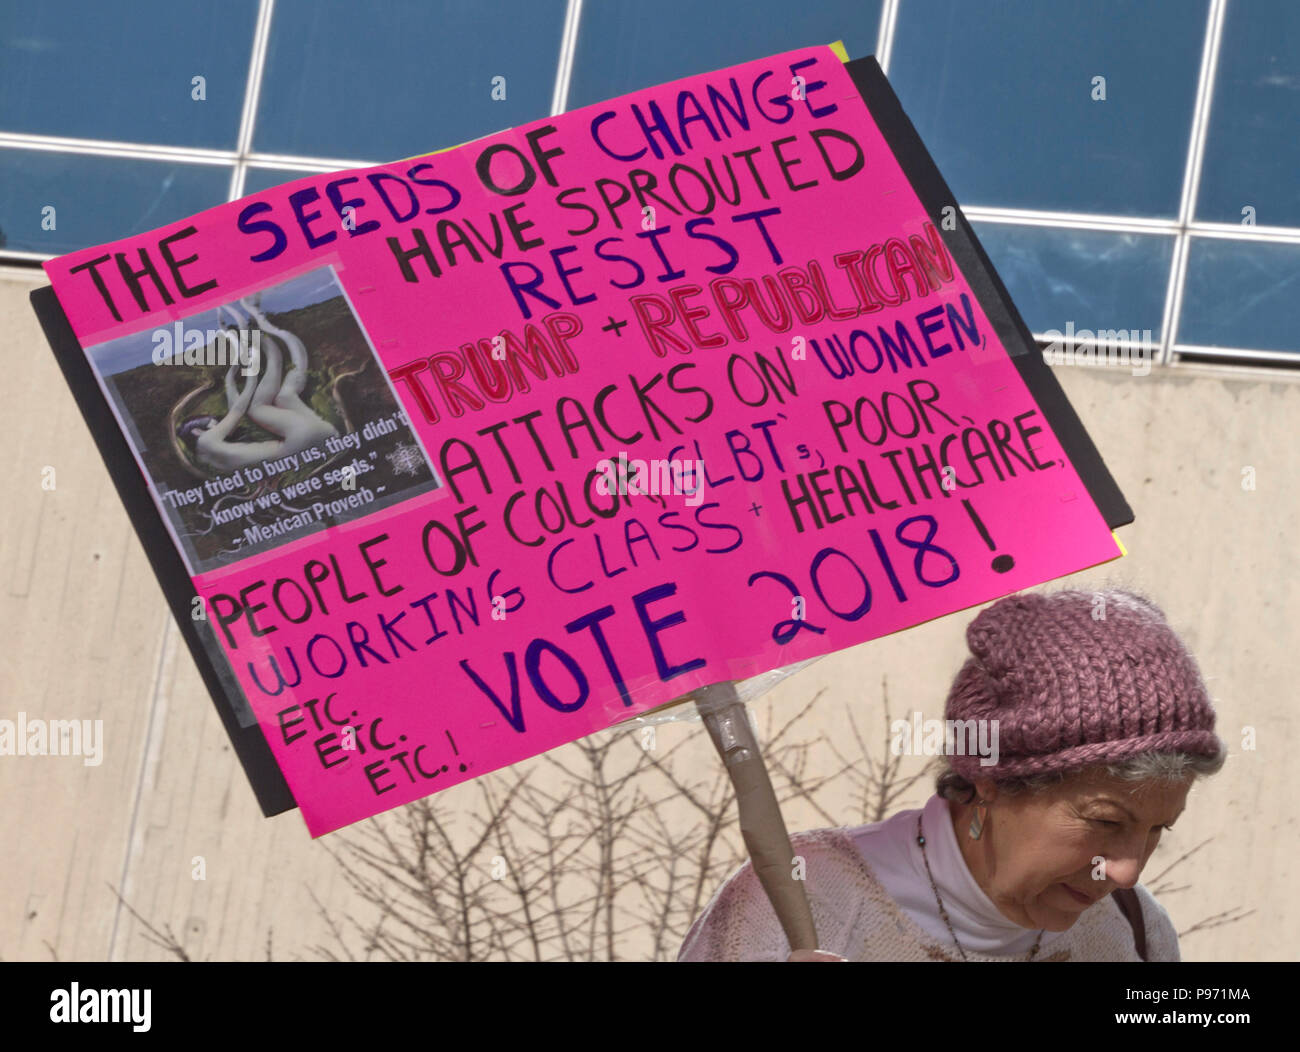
[86,634]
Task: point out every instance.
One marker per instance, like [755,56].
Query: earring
[977,821]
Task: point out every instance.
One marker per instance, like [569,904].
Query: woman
[1103,723]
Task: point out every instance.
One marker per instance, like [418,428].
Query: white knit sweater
[872,901]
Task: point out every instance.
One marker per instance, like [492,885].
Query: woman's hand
[815,955]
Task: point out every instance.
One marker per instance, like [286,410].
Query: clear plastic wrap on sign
[458,510]
[684,710]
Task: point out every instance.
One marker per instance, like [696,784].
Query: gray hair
[1167,767]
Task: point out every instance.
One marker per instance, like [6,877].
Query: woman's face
[1046,857]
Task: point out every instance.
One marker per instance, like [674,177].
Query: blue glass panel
[1241,294]
[394,78]
[259,179]
[1002,94]
[97,199]
[1092,279]
[624,46]
[95,70]
[1252,153]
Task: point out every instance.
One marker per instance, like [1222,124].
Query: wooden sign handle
[761,823]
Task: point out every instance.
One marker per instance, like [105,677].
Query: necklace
[920,839]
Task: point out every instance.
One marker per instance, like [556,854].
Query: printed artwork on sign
[263,420]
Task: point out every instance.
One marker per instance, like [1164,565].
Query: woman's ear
[986,790]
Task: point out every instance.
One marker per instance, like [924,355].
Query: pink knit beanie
[1079,678]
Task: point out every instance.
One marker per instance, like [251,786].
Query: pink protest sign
[470,455]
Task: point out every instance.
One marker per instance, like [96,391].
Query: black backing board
[250,745]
